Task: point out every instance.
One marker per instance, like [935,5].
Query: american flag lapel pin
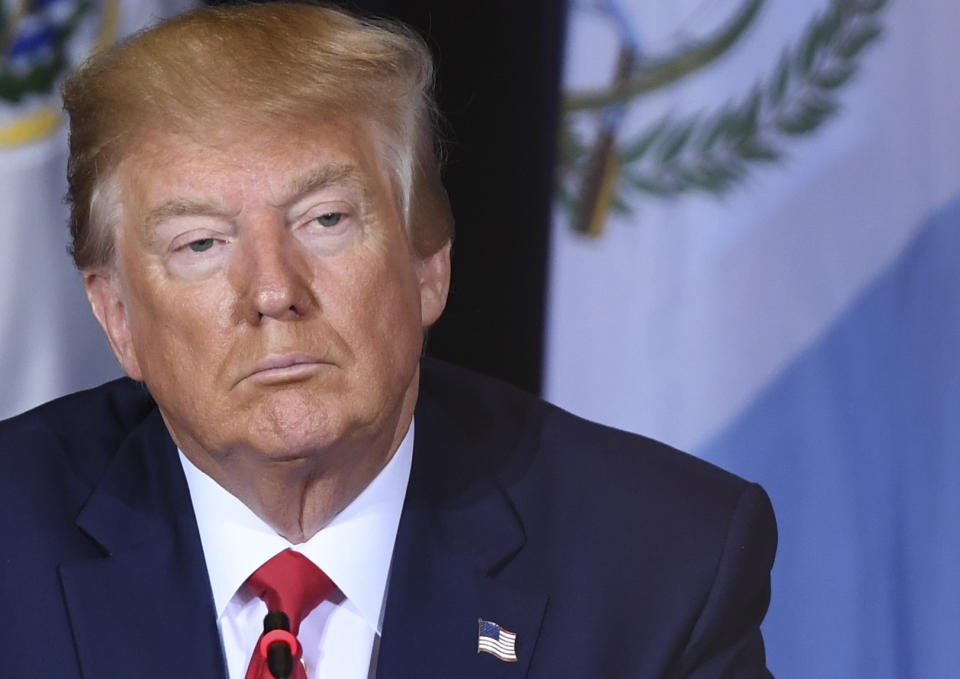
[495,640]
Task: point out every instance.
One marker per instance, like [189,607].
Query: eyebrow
[317,178]
[323,176]
[178,207]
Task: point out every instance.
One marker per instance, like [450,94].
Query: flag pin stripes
[497,641]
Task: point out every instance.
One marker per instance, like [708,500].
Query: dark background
[498,89]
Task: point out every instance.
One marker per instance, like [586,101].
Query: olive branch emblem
[34,76]
[708,152]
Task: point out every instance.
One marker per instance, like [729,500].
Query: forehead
[251,164]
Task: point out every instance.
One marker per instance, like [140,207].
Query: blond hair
[274,63]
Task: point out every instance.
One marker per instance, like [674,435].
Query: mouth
[277,369]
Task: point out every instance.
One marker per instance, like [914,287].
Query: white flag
[50,343]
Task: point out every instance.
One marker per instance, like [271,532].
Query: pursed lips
[284,367]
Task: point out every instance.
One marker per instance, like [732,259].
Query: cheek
[382,306]
[174,328]
[398,289]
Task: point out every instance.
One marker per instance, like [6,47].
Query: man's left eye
[201,244]
[329,219]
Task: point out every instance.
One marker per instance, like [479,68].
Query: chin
[294,425]
[290,435]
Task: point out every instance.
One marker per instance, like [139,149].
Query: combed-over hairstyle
[272,66]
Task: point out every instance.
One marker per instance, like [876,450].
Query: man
[264,239]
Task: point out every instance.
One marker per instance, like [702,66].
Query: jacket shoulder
[523,432]
[81,430]
[577,482]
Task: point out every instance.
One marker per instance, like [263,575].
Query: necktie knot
[291,583]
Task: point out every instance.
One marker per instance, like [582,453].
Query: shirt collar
[354,549]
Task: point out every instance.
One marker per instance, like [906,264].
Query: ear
[103,292]
[434,275]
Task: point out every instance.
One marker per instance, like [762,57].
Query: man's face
[266,292]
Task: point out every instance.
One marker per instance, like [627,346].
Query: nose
[273,277]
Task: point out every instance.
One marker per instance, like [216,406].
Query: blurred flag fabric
[755,258]
[49,341]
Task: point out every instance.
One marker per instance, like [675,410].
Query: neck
[299,495]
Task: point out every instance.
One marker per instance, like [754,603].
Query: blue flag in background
[755,258]
[857,442]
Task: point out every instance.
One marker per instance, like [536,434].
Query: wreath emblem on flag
[708,152]
[36,50]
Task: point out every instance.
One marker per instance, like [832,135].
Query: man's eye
[330,219]
[201,245]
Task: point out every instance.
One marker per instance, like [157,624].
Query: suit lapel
[436,597]
[145,608]
[457,529]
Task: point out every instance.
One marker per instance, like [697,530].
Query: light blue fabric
[858,444]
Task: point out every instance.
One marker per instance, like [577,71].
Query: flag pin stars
[497,641]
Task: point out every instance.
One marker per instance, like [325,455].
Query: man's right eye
[201,245]
[329,219]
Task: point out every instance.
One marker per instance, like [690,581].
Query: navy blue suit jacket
[609,555]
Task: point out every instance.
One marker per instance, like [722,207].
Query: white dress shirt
[341,636]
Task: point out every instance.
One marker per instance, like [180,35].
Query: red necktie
[291,583]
